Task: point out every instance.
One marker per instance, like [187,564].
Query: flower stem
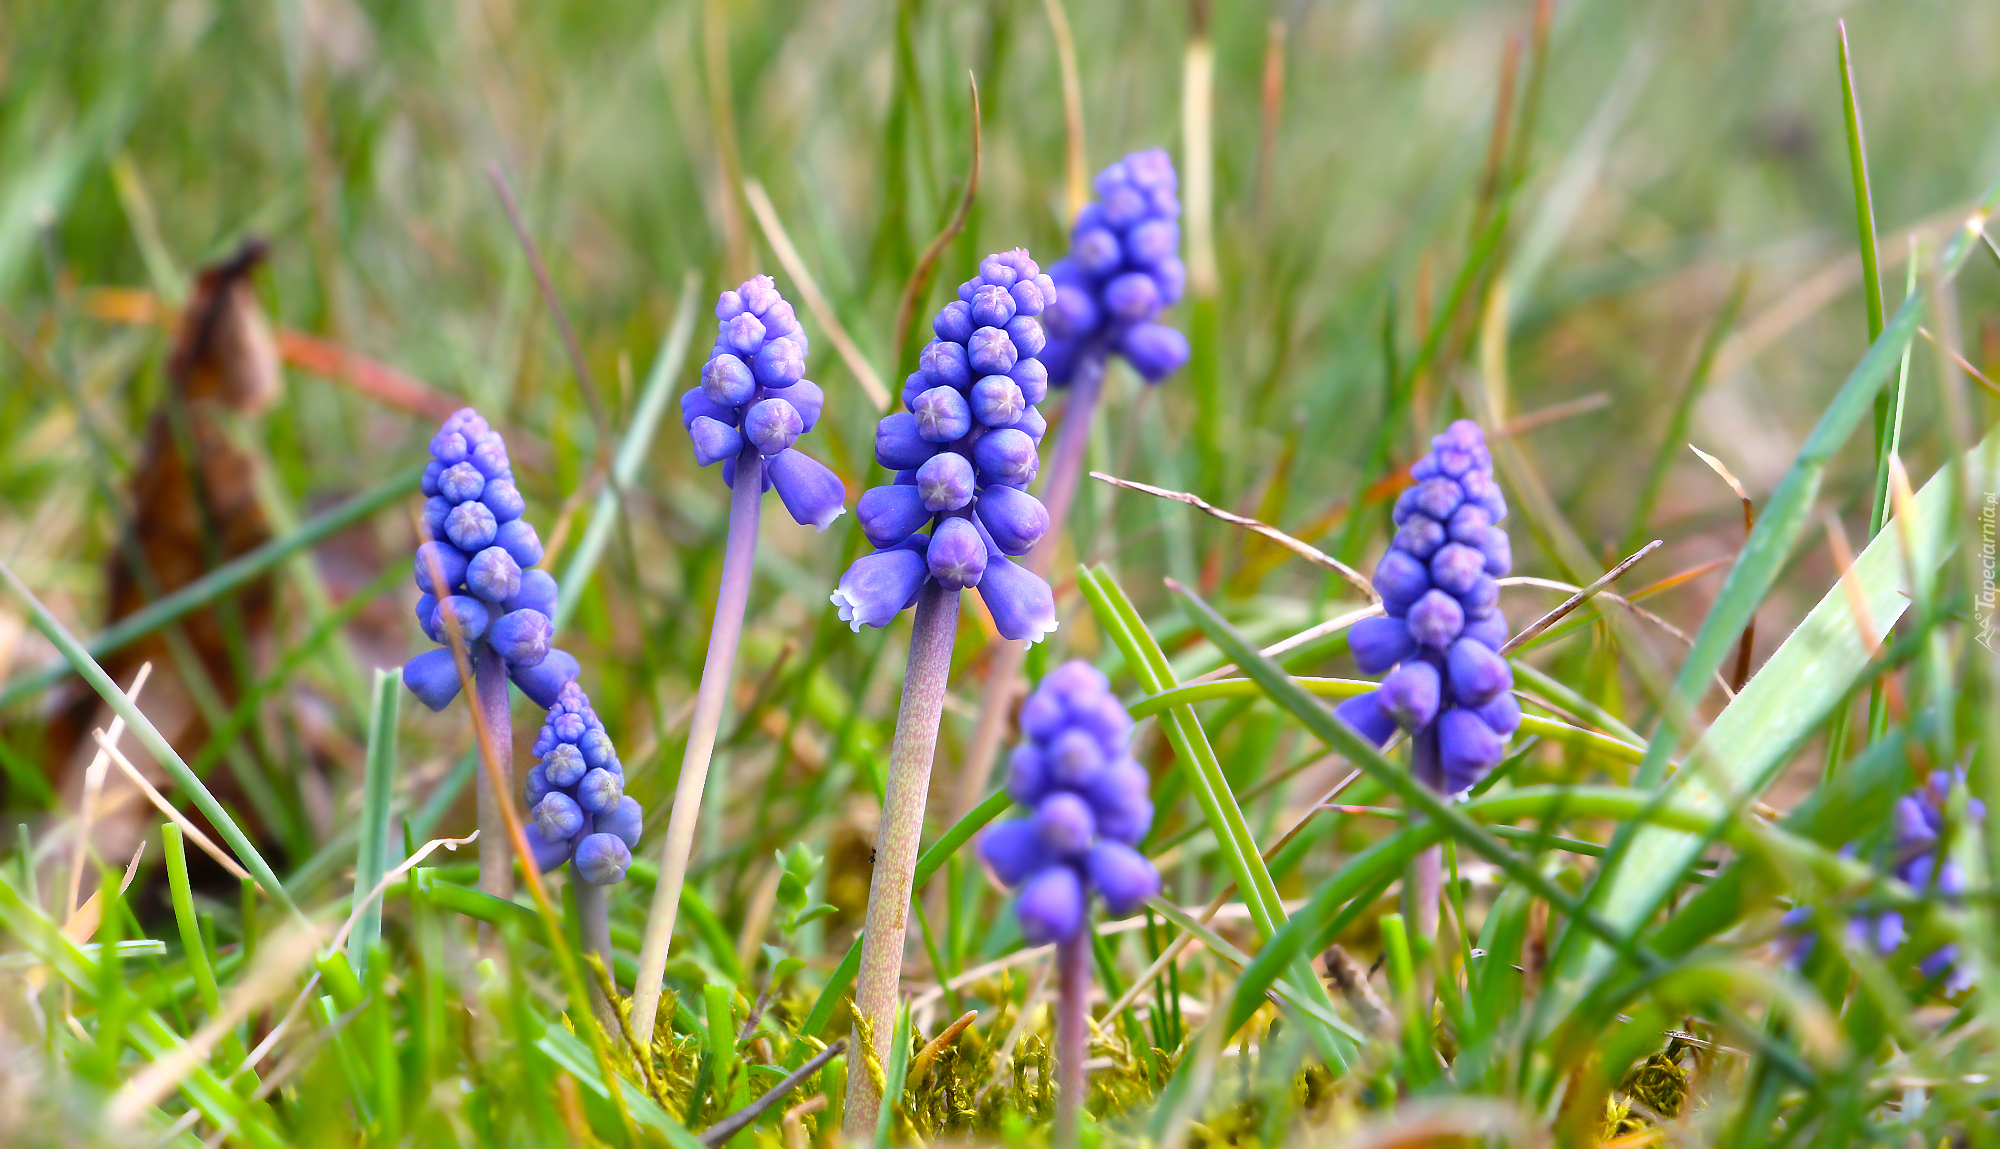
[902,828]
[593,921]
[1072,1033]
[739,558]
[491,710]
[1003,670]
[1424,879]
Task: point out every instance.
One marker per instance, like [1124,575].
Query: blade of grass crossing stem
[1747,745]
[371,858]
[155,743]
[223,579]
[199,966]
[895,1068]
[1148,664]
[632,449]
[928,864]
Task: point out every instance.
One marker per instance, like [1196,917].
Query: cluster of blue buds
[479,569]
[1091,803]
[964,453]
[1441,627]
[1123,270]
[754,397]
[577,798]
[1917,832]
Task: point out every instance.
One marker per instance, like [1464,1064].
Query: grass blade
[372,857]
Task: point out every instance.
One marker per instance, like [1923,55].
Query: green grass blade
[371,859]
[1864,201]
[632,450]
[155,743]
[222,580]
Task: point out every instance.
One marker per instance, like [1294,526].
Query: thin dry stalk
[816,302]
[93,788]
[1536,628]
[926,266]
[160,802]
[1744,649]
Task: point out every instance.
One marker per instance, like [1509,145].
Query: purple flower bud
[813,494]
[1028,298]
[997,401]
[1364,713]
[1043,716]
[1420,537]
[1481,599]
[773,425]
[743,333]
[602,859]
[623,821]
[1490,630]
[1153,240]
[1123,206]
[1435,619]
[433,677]
[504,499]
[1478,675]
[806,398]
[780,321]
[1120,799]
[1032,377]
[548,855]
[726,380]
[1074,757]
[537,786]
[1013,849]
[1133,297]
[1021,602]
[597,750]
[1401,580]
[945,365]
[1050,907]
[781,363]
[759,294]
[1469,524]
[436,511]
[538,592]
[1480,488]
[1467,749]
[1379,643]
[1027,336]
[543,681]
[992,306]
[449,447]
[1438,498]
[1106,720]
[493,575]
[1096,252]
[429,483]
[875,588]
[1016,519]
[695,404]
[944,483]
[942,415]
[427,617]
[599,791]
[714,440]
[1499,552]
[957,555]
[1409,694]
[1154,350]
[470,615]
[522,636]
[440,568]
[557,816]
[1503,714]
[891,514]
[1455,566]
[899,444]
[520,540]
[1006,456]
[991,352]
[568,725]
[461,482]
[470,526]
[1027,774]
[1122,876]
[1032,425]
[954,324]
[564,766]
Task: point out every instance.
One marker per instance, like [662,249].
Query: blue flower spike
[754,400]
[1092,805]
[478,570]
[1441,630]
[577,805]
[964,450]
[1123,270]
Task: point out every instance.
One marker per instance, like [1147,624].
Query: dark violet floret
[1091,806]
[1441,631]
[576,793]
[754,401]
[1122,272]
[963,452]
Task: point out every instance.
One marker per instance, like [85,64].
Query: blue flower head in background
[1091,807]
[964,452]
[576,795]
[754,398]
[479,568]
[1122,271]
[1441,628]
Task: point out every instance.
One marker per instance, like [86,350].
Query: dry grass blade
[1300,547]
[571,347]
[1850,585]
[1076,173]
[926,266]
[93,786]
[1965,366]
[1575,600]
[729,1126]
[84,922]
[391,878]
[1310,634]
[1741,674]
[1555,413]
[816,302]
[921,1064]
[160,802]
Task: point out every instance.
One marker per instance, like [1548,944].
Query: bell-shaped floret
[1016,519]
[1364,713]
[875,588]
[543,681]
[1014,849]
[624,821]
[1379,643]
[602,859]
[1050,907]
[1022,603]
[1124,877]
[522,636]
[433,677]
[812,493]
[1410,694]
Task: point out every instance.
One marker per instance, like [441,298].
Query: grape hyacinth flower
[1441,630]
[478,579]
[753,403]
[956,517]
[1916,834]
[578,810]
[1091,806]
[1122,272]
